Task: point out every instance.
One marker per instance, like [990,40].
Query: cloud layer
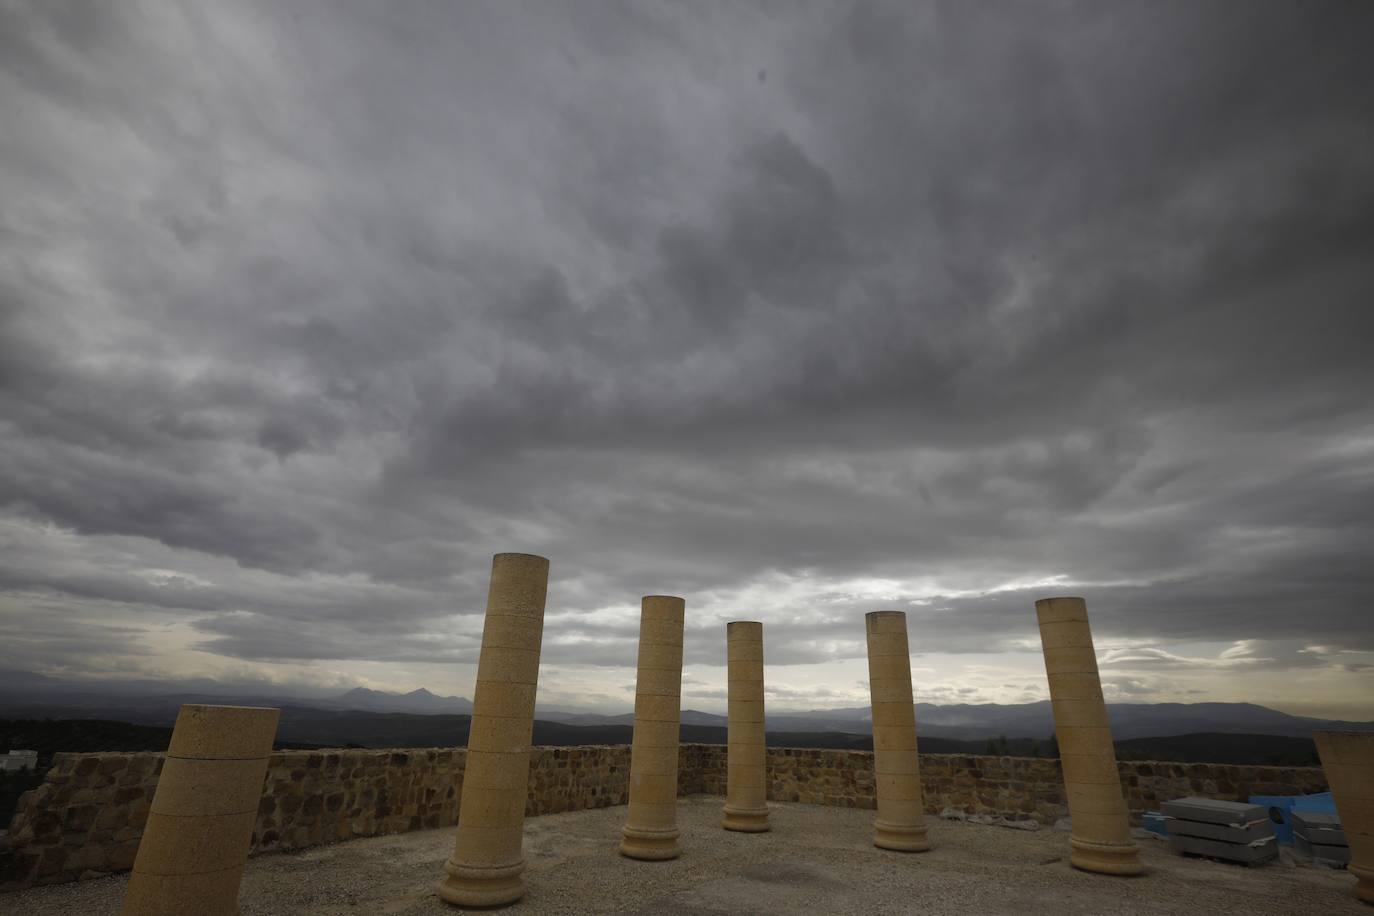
[798,311]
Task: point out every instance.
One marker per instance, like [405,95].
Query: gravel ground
[816,860]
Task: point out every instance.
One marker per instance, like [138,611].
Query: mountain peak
[419,701]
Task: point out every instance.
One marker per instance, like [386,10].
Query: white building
[19,760]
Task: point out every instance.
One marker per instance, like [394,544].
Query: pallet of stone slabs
[1320,827]
[1320,853]
[1257,832]
[1246,854]
[1212,811]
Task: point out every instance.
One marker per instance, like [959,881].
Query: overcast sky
[795,310]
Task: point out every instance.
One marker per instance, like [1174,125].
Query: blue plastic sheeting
[1281,807]
[1155,822]
[1322,801]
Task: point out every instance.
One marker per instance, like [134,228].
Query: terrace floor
[815,860]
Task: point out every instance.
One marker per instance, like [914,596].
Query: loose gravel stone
[816,860]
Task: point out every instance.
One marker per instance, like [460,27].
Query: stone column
[485,867]
[896,768]
[196,841]
[1101,837]
[746,800]
[1348,761]
[651,828]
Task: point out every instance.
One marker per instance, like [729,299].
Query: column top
[665,607]
[223,732]
[744,624]
[1061,609]
[885,623]
[520,556]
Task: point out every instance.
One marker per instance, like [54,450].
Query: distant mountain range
[306,728]
[31,695]
[1028,720]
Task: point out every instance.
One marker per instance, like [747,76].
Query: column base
[746,820]
[900,837]
[1105,858]
[1364,884]
[480,885]
[650,845]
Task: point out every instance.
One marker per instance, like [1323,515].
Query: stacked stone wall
[1029,788]
[88,815]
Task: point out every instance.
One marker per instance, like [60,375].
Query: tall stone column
[485,867]
[746,800]
[1101,837]
[196,841]
[896,768]
[1348,761]
[651,828]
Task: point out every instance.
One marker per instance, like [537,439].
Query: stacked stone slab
[651,829]
[196,841]
[900,824]
[1101,837]
[1234,831]
[746,800]
[487,860]
[1348,760]
[1318,836]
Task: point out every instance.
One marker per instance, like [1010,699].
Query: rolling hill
[34,696]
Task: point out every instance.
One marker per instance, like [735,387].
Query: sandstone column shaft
[1101,838]
[651,828]
[746,800]
[1348,761]
[896,768]
[195,844]
[485,867]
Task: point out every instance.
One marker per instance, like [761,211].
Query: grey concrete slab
[1316,818]
[1212,811]
[1231,852]
[1251,833]
[1319,827]
[1324,837]
[1320,852]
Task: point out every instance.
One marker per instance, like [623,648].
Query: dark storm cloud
[45,636]
[957,297]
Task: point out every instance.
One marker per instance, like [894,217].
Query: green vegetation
[52,736]
[998,747]
[1213,747]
